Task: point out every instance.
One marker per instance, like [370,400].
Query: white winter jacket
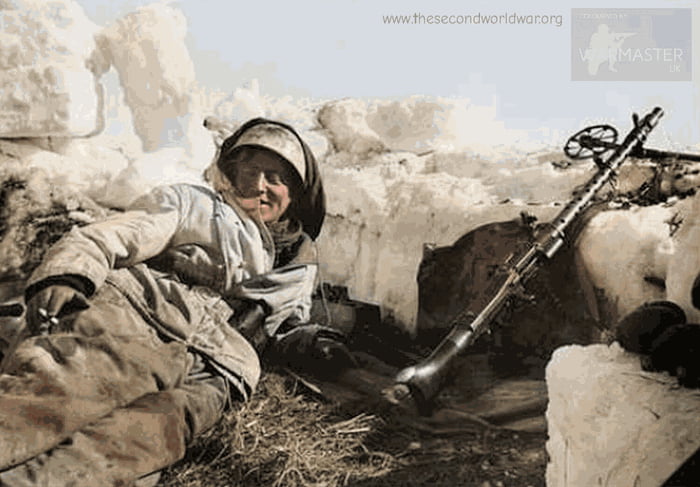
[233,257]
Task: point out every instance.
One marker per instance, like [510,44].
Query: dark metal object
[595,140]
[424,380]
[590,142]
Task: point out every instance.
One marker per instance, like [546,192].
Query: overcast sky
[344,48]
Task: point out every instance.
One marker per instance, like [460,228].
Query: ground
[289,436]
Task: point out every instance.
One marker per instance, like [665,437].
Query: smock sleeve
[88,253]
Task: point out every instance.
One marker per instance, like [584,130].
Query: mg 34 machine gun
[424,380]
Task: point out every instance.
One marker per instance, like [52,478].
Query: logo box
[631,44]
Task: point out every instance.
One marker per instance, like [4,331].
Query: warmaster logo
[631,44]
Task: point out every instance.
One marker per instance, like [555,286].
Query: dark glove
[46,307]
[312,348]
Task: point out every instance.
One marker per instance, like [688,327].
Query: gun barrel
[424,380]
[634,140]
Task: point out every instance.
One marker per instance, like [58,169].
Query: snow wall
[121,112]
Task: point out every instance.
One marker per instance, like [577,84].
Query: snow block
[147,48]
[346,124]
[380,217]
[76,165]
[47,87]
[620,252]
[684,266]
[610,423]
[630,256]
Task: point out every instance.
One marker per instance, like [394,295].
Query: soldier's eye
[274,177]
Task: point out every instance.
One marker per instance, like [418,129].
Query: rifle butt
[424,380]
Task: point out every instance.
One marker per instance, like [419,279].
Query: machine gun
[424,380]
[595,140]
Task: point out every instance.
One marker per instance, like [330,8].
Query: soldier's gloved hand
[312,348]
[48,305]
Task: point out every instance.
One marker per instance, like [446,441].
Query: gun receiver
[423,381]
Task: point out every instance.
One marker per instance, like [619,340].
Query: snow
[398,173]
[156,75]
[147,49]
[684,264]
[636,244]
[622,251]
[346,124]
[46,85]
[639,435]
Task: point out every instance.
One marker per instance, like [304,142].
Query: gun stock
[423,381]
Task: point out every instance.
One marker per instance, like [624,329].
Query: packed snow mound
[157,79]
[34,30]
[684,265]
[422,124]
[147,49]
[637,247]
[246,102]
[381,214]
[346,124]
[641,254]
[74,164]
[47,82]
[408,125]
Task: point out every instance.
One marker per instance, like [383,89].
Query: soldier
[143,327]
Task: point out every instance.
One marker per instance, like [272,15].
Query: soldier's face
[262,183]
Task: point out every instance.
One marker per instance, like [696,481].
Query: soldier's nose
[262,184]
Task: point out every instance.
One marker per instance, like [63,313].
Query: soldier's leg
[53,385]
[133,441]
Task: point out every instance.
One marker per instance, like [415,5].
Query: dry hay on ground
[282,437]
[287,437]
